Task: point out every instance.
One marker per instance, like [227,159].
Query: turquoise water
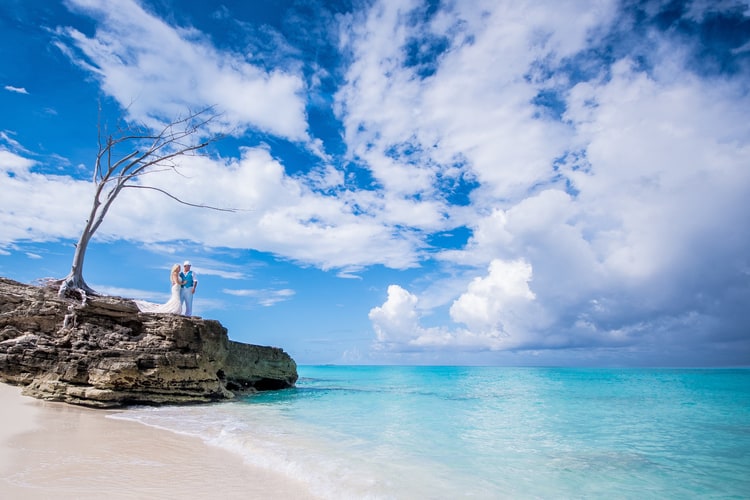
[468,432]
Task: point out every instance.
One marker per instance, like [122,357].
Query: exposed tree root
[76,288]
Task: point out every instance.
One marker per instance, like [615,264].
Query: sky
[521,183]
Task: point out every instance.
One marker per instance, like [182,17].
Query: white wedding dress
[173,305]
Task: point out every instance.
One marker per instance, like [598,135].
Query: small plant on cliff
[125,157]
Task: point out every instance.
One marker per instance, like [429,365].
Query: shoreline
[56,450]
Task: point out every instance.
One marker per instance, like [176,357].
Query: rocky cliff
[103,352]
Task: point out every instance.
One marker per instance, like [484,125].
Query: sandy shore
[54,450]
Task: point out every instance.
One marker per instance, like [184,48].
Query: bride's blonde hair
[175,269]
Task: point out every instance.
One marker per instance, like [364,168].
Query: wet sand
[54,450]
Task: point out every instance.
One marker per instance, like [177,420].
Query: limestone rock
[105,353]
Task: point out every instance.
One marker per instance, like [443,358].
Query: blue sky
[468,182]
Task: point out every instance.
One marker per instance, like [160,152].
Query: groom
[188,288]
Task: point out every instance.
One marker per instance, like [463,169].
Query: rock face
[105,353]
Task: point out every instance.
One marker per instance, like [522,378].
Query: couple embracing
[184,284]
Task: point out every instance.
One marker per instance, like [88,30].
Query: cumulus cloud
[499,312]
[615,209]
[397,319]
[498,301]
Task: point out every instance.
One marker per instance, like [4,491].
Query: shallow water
[448,432]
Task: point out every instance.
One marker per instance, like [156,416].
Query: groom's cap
[186,263]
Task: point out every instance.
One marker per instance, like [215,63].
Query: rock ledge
[107,354]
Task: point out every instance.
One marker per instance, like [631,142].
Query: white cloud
[13,164]
[222,273]
[17,90]
[135,293]
[264,297]
[497,302]
[499,311]
[655,169]
[276,213]
[397,319]
[666,168]
[155,70]
[5,137]
[30,207]
[476,106]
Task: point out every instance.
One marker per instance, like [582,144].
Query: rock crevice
[109,354]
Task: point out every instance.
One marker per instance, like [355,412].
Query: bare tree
[122,158]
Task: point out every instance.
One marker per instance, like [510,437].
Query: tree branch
[179,200]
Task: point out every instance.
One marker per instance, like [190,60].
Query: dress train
[173,305]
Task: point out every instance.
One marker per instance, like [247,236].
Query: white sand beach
[55,450]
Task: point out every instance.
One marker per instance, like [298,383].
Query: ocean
[414,432]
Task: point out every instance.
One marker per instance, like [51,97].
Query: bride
[173,305]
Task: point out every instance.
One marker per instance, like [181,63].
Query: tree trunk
[74,280]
